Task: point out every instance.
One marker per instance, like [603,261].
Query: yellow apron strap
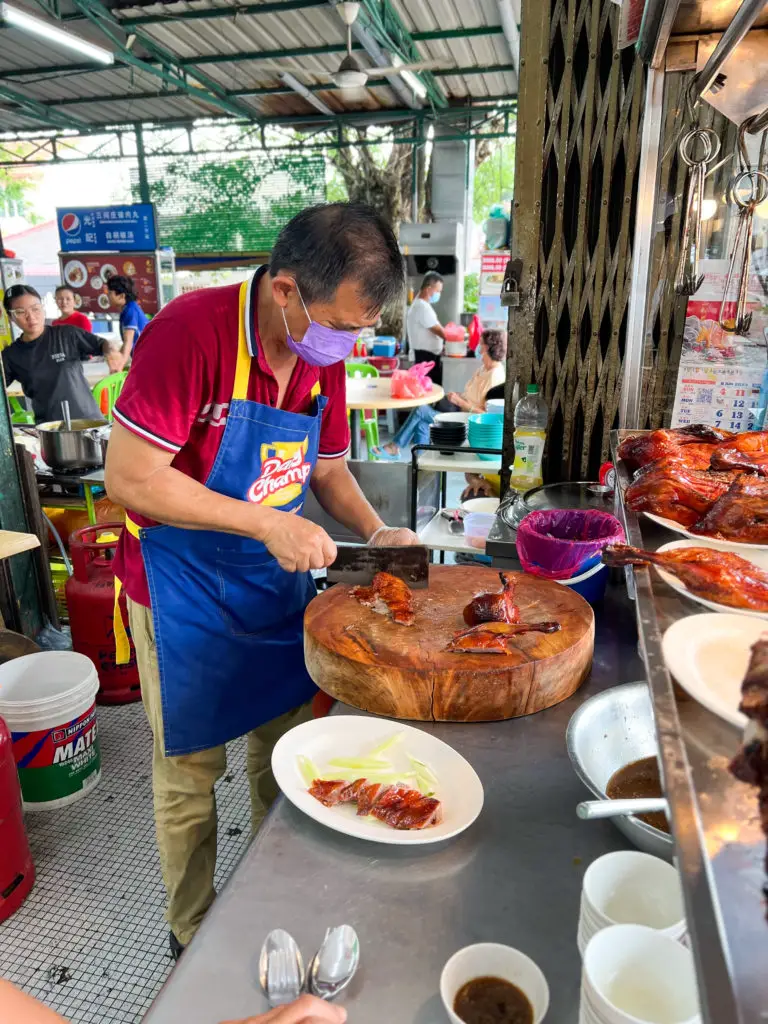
[122,643]
[243,368]
[240,390]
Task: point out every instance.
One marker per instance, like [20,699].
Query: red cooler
[17,872]
[90,593]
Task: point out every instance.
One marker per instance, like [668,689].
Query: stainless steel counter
[719,843]
[513,877]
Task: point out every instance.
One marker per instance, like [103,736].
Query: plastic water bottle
[531,416]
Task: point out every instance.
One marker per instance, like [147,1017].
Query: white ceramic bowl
[628,967]
[480,504]
[492,960]
[452,417]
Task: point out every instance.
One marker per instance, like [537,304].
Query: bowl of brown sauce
[612,744]
[489,983]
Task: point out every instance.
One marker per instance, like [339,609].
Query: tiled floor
[90,941]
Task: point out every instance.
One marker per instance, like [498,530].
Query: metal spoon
[281,968]
[618,808]
[334,965]
[65,415]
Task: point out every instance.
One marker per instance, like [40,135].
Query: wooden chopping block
[364,659]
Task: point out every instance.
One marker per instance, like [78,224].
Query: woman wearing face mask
[47,360]
[426,335]
[235,405]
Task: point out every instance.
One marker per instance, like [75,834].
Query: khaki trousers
[185,804]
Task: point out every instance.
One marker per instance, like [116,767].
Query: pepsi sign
[130,228]
[70,224]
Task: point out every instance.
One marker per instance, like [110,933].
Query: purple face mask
[320,346]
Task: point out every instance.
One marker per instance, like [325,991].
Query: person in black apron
[227,556]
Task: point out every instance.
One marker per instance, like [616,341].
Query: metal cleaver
[357,564]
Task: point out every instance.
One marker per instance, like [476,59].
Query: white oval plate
[459,789]
[758,558]
[707,542]
[708,655]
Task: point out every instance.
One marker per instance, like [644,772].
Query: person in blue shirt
[133,319]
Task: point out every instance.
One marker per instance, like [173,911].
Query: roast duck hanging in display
[712,482]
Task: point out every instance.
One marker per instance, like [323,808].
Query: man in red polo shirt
[234,406]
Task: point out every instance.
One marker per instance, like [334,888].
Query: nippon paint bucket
[48,702]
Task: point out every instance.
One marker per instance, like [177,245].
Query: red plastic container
[17,872]
[90,594]
[386,365]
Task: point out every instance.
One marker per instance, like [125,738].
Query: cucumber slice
[308,770]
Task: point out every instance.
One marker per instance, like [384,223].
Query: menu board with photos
[87,274]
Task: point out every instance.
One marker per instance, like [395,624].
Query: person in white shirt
[426,335]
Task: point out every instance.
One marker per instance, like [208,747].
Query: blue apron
[228,620]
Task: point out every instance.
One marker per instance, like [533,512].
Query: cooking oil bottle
[531,417]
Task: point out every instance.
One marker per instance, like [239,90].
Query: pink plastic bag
[412,383]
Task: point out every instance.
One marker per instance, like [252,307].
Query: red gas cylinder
[17,872]
[90,593]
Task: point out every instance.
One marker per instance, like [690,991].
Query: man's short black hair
[325,245]
[430,278]
[63,288]
[121,285]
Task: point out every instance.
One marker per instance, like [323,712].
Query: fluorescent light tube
[53,34]
[415,84]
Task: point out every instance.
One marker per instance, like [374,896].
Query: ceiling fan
[350,74]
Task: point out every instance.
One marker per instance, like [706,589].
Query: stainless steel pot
[78,448]
[608,731]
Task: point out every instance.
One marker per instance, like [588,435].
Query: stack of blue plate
[486,430]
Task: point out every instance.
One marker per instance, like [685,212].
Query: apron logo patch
[284,472]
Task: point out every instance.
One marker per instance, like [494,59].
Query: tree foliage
[16,186]
[494,177]
[235,206]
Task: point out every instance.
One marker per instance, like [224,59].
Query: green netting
[216,205]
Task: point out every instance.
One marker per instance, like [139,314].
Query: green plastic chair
[370,421]
[20,415]
[107,391]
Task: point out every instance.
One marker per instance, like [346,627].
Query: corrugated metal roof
[123,94]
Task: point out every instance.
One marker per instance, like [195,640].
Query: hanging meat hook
[698,147]
[746,190]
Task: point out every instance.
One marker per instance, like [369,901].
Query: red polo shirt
[75,319]
[180,385]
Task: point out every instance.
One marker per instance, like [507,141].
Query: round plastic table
[376,393]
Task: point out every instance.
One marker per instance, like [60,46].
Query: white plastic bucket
[48,702]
